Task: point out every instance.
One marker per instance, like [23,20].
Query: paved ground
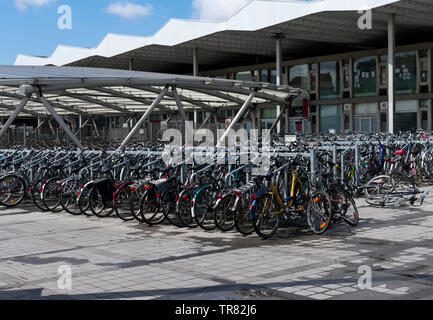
[110,259]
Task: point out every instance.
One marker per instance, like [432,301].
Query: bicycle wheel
[36,194]
[183,208]
[150,210]
[319,212]
[99,206]
[349,212]
[266,218]
[69,197]
[12,190]
[224,216]
[84,199]
[136,204]
[51,195]
[203,211]
[123,203]
[377,190]
[243,222]
[168,204]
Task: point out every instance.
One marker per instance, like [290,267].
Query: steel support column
[13,116]
[195,61]
[391,73]
[179,104]
[238,116]
[278,75]
[280,116]
[60,121]
[95,127]
[143,119]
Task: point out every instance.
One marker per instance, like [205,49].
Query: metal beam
[82,125]
[97,102]
[195,61]
[237,117]
[202,105]
[179,103]
[60,121]
[55,105]
[143,119]
[131,97]
[95,127]
[221,95]
[277,121]
[391,73]
[14,115]
[246,92]
[206,120]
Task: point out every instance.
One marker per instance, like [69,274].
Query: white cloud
[22,5]
[129,10]
[216,10]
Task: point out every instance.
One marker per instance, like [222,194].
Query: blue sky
[30,26]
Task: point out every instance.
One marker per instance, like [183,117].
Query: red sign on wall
[305,108]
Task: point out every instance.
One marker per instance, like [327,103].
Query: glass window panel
[243,76]
[273,76]
[365,108]
[269,113]
[357,124]
[365,124]
[360,108]
[424,103]
[371,108]
[374,124]
[298,76]
[264,75]
[406,115]
[329,80]
[330,118]
[405,106]
[364,77]
[405,72]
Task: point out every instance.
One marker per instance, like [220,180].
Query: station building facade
[316,46]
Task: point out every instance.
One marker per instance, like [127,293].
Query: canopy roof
[97,91]
[309,28]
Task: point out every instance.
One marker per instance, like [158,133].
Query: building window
[406,115]
[274,76]
[329,80]
[269,113]
[264,75]
[365,119]
[298,76]
[296,112]
[330,118]
[243,76]
[405,72]
[364,81]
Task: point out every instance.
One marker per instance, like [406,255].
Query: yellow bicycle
[301,204]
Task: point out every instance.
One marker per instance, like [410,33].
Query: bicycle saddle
[399,152]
